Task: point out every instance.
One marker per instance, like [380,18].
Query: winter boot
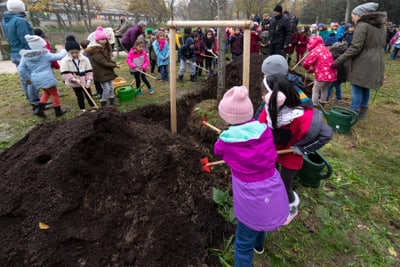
[114,103]
[59,112]
[363,112]
[199,72]
[34,107]
[180,78]
[103,103]
[193,78]
[39,111]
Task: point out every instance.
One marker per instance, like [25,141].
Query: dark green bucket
[340,119]
[315,168]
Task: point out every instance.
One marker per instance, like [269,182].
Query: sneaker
[293,209]
[259,251]
[82,111]
[151,91]
[139,93]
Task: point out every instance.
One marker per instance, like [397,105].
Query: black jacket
[279,30]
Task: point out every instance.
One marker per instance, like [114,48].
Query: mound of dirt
[115,189]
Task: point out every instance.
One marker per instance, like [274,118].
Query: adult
[265,22]
[121,29]
[16,26]
[279,32]
[130,36]
[366,50]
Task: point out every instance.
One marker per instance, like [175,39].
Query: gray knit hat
[275,64]
[365,8]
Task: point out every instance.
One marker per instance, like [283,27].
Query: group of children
[263,197]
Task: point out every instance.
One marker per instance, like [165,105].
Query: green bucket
[125,93]
[340,119]
[315,168]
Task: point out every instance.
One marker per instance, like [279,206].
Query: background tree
[156,11]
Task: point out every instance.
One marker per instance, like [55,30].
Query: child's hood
[189,41]
[314,42]
[93,47]
[33,55]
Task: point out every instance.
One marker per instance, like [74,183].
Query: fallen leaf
[392,251]
[43,226]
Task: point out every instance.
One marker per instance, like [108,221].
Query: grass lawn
[352,219]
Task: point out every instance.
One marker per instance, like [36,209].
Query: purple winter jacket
[259,195]
[131,35]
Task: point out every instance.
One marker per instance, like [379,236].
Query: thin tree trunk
[221,51]
[346,18]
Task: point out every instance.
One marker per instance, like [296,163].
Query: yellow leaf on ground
[43,226]
[392,251]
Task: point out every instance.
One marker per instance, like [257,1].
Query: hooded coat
[35,66]
[319,60]
[102,64]
[187,53]
[15,28]
[366,50]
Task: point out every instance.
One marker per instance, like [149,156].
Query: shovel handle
[284,151]
[215,163]
[212,127]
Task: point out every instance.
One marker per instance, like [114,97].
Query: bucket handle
[353,114]
[328,166]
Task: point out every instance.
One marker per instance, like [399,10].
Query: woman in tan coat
[366,54]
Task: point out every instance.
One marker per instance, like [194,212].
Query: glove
[296,150]
[334,66]
[73,80]
[88,82]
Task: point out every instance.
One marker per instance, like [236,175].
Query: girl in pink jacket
[319,61]
[138,61]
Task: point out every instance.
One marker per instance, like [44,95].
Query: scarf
[285,116]
[162,43]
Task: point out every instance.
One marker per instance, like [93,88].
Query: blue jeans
[338,90]
[359,97]
[246,240]
[30,92]
[164,72]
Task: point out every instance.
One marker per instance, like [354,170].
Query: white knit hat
[16,6]
[35,42]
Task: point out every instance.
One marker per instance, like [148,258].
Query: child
[76,66]
[41,33]
[236,43]
[302,41]
[348,35]
[319,60]
[289,50]
[161,49]
[336,50]
[187,55]
[138,61]
[35,68]
[264,44]
[97,85]
[395,43]
[293,126]
[100,53]
[152,55]
[259,196]
[209,48]
[255,39]
[199,50]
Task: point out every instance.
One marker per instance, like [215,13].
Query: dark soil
[117,189]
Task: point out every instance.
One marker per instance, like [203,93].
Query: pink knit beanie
[236,107]
[100,34]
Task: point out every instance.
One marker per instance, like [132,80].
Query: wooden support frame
[245,24]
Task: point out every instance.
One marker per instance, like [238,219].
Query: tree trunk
[221,51]
[88,15]
[346,17]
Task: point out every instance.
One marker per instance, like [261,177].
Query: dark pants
[277,49]
[198,70]
[81,95]
[139,75]
[99,89]
[288,178]
[153,63]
